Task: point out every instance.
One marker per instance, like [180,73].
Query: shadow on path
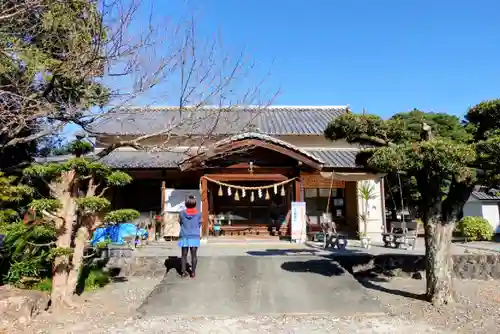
[369,269]
[321,267]
[365,268]
[369,284]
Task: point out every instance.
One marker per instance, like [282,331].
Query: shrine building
[239,162]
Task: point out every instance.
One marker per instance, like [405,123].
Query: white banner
[299,222]
[175,198]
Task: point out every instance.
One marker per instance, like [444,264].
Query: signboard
[175,198]
[299,222]
[311,181]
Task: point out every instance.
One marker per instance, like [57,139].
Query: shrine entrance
[249,183]
[249,208]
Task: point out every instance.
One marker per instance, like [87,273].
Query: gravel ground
[477,309]
[275,324]
[112,304]
[112,310]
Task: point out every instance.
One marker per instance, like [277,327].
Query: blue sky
[385,56]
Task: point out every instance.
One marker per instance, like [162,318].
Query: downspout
[382,201]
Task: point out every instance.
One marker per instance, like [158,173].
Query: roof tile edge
[273,107]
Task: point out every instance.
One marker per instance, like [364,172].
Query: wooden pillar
[298,198]
[163,187]
[351,206]
[163,209]
[382,203]
[298,188]
[204,206]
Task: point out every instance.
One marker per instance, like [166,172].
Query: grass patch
[43,285]
[91,279]
[96,279]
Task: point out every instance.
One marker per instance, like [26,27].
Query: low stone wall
[120,251]
[477,266]
[121,261]
[466,266]
[149,266]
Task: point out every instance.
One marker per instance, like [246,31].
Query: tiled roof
[131,159]
[483,196]
[142,159]
[275,120]
[337,158]
[263,137]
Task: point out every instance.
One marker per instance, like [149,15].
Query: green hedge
[475,229]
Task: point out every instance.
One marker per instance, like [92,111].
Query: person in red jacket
[189,237]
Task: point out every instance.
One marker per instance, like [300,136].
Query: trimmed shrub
[475,229]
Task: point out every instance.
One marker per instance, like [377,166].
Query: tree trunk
[81,238]
[64,191]
[59,295]
[59,282]
[439,263]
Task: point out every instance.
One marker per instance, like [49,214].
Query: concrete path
[217,248]
[267,285]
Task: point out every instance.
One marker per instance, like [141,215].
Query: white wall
[490,213]
[473,209]
[375,212]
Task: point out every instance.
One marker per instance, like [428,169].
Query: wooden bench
[401,235]
[234,229]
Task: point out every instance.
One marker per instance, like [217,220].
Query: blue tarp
[117,232]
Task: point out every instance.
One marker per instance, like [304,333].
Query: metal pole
[382,200]
[403,225]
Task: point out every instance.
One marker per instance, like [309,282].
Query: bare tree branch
[165,62]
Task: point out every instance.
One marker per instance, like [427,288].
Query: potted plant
[365,240]
[366,192]
[216,227]
[103,248]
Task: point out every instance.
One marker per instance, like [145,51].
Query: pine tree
[76,207]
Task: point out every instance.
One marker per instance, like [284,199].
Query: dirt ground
[477,307]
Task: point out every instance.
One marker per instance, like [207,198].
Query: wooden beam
[244,171]
[204,206]
[298,188]
[247,177]
[238,146]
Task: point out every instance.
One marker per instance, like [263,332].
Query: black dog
[174,262]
